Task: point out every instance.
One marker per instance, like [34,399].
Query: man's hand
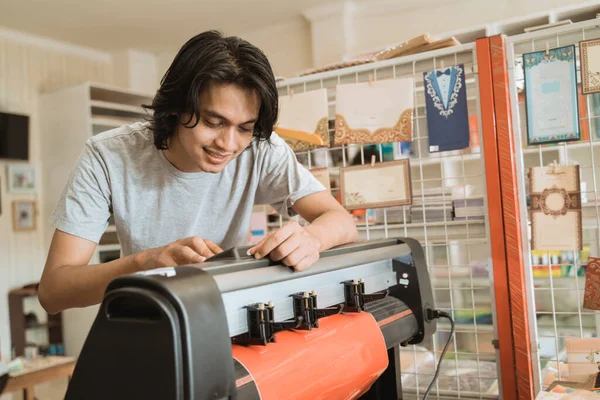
[185,251]
[291,244]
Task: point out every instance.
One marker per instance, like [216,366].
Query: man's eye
[213,124]
[245,129]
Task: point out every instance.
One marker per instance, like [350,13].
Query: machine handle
[233,253]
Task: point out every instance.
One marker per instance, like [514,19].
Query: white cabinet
[69,117]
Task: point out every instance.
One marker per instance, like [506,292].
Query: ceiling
[150,25]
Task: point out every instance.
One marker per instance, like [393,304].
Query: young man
[181,187]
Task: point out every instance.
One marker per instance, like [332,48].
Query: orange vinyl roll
[339,360]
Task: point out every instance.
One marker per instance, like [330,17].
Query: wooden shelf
[363,227]
[49,324]
[109,247]
[561,146]
[105,105]
[111,122]
[111,228]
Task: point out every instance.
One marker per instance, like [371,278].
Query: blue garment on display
[447,110]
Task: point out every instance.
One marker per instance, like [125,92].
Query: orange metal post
[497,238]
[512,220]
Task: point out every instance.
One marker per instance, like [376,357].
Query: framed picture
[589,52]
[376,185]
[21,179]
[551,96]
[24,215]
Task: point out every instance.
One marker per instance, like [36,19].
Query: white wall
[364,26]
[438,17]
[288,46]
[28,66]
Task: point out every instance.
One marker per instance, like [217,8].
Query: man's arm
[329,221]
[330,225]
[68,281]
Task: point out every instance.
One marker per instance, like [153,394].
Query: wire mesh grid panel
[457,248]
[556,279]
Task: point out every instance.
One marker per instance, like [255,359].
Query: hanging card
[447,110]
[306,112]
[551,96]
[373,186]
[374,112]
[583,355]
[591,295]
[555,208]
[589,52]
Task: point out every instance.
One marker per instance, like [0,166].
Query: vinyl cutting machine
[238,328]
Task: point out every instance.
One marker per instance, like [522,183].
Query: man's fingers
[286,248]
[295,257]
[200,247]
[213,247]
[186,255]
[275,239]
[306,262]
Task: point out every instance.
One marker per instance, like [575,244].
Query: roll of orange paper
[339,360]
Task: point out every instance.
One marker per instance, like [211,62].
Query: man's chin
[212,168]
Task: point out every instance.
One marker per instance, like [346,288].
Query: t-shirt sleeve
[283,180]
[85,204]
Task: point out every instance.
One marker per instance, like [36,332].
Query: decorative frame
[590,80]
[357,179]
[24,215]
[562,204]
[542,58]
[22,179]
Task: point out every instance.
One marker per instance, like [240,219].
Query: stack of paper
[469,209]
[431,205]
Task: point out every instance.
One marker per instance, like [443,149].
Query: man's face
[227,117]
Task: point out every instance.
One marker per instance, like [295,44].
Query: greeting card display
[591,295]
[447,110]
[589,52]
[551,96]
[306,112]
[555,208]
[374,112]
[373,186]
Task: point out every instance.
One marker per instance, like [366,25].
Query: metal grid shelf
[457,252]
[555,302]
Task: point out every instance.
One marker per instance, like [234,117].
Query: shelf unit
[457,252]
[45,331]
[68,118]
[555,304]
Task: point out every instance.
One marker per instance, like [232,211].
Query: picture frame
[589,54]
[551,98]
[24,215]
[22,179]
[376,185]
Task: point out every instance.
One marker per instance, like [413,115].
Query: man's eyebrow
[215,114]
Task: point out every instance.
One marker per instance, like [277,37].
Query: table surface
[42,370]
[42,363]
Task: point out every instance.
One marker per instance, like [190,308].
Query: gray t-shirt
[120,172]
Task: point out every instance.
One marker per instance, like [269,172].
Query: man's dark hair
[208,58]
